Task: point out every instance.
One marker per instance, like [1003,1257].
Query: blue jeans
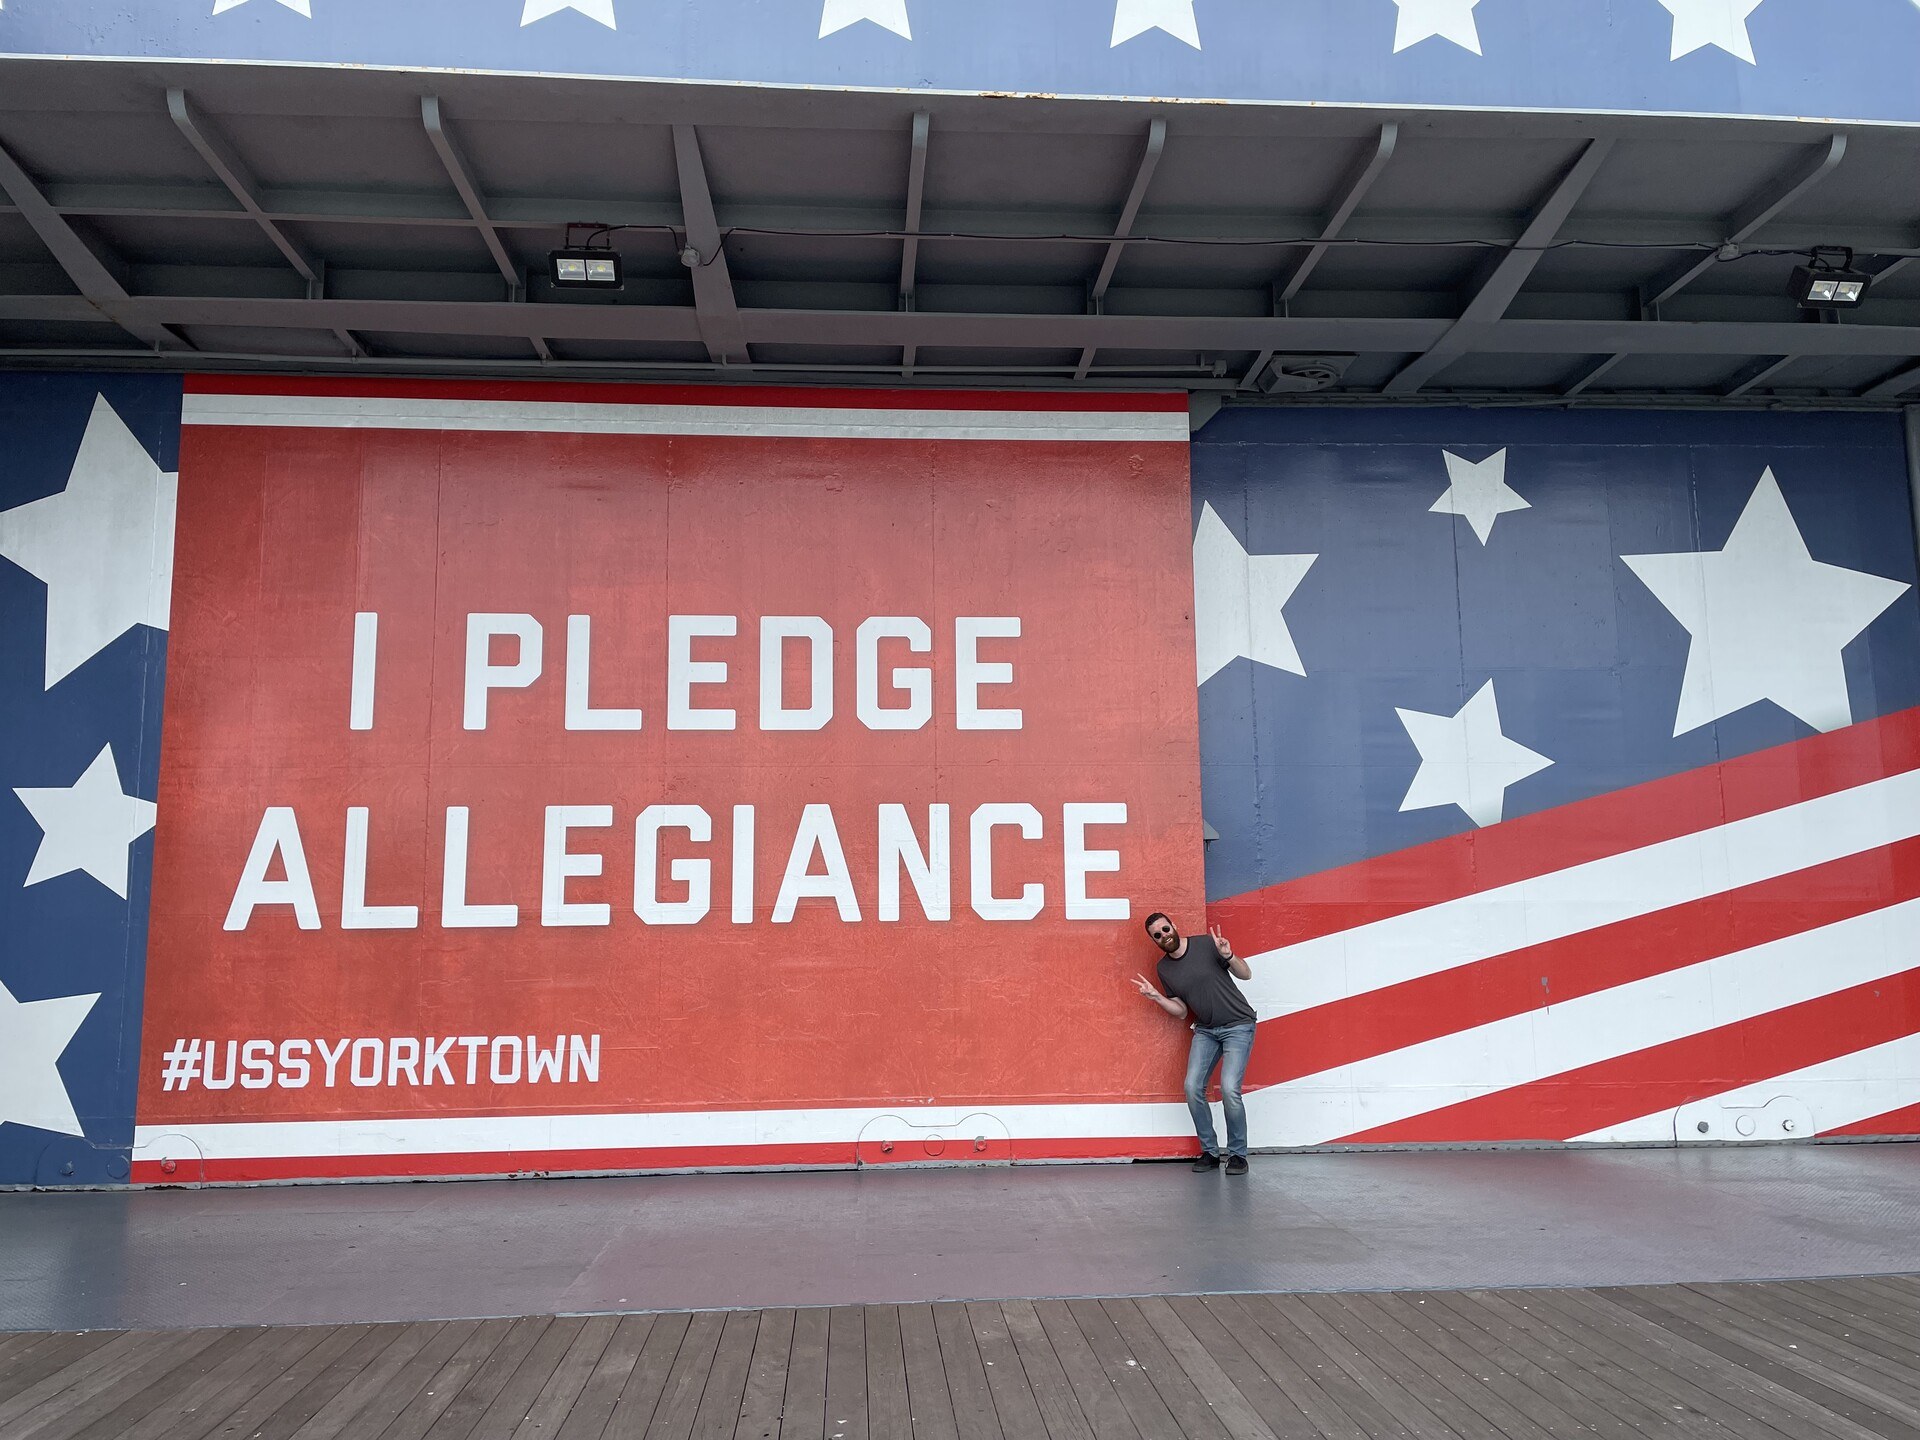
[1229,1047]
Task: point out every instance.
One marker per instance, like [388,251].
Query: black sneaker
[1237,1165]
[1207,1161]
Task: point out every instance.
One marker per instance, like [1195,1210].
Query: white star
[1697,23]
[33,1035]
[1768,621]
[87,826]
[1465,760]
[1449,19]
[890,14]
[1136,17]
[1479,492]
[103,546]
[1239,601]
[305,7]
[601,10]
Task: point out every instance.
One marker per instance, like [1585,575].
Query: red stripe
[837,1155]
[1904,1121]
[1553,973]
[592,393]
[1587,830]
[1696,1067]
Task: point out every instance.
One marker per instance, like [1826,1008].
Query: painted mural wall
[596,778]
[1677,57]
[1566,771]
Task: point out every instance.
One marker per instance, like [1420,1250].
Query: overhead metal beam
[1905,382]
[1505,280]
[1603,366]
[104,291]
[1813,167]
[714,302]
[1759,374]
[1358,183]
[234,173]
[1123,227]
[916,203]
[461,174]
[892,329]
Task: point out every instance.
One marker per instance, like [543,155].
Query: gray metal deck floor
[338,1255]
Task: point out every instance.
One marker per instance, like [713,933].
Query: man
[1197,978]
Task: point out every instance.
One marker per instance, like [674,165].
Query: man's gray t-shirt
[1200,979]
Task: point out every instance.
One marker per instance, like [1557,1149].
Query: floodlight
[1825,287]
[595,269]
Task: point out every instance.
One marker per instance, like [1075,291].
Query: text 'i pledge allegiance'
[816,865]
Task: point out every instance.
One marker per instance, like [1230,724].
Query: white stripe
[343,412]
[1585,897]
[713,1130]
[1521,1049]
[1836,1093]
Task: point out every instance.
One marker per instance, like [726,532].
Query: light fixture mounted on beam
[592,266]
[1823,285]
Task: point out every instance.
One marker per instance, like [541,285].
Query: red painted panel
[286,533]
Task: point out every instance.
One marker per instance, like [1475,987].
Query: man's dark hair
[1159,915]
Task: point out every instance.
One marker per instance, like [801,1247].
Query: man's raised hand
[1145,987]
[1220,942]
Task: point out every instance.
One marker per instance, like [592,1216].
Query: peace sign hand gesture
[1221,942]
[1145,987]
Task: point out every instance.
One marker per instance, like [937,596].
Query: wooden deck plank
[1801,1360]
[1317,1389]
[1845,1299]
[1886,1403]
[394,1393]
[443,1388]
[1568,1397]
[343,1409]
[58,1370]
[1693,1375]
[1105,1412]
[803,1415]
[887,1412]
[1013,1402]
[1276,1404]
[254,1410]
[973,1413]
[588,1415]
[766,1378]
[511,1400]
[1503,1405]
[929,1401]
[846,1417]
[1189,1408]
[687,1380]
[693,1367]
[1403,1411]
[726,1387]
[1229,1406]
[1704,1330]
[639,1398]
[1121,1369]
[464,1414]
[204,1404]
[1052,1391]
[369,1343]
[549,1409]
[164,1393]
[78,1407]
[1847,1339]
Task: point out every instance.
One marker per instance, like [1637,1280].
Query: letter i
[743,856]
[366,641]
